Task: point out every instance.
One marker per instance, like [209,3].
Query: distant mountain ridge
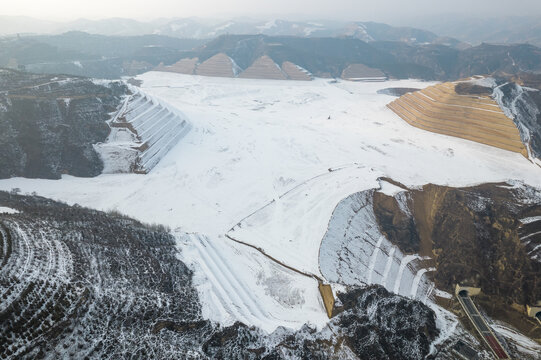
[329,57]
[194,28]
[476,30]
[453,29]
[111,57]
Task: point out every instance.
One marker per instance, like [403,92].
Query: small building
[534,311]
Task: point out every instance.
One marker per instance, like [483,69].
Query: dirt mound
[219,65]
[463,110]
[263,68]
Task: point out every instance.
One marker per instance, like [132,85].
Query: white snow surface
[524,344]
[8,210]
[389,189]
[531,219]
[255,140]
[237,282]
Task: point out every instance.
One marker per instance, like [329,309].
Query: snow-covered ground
[259,142]
[524,344]
[7,210]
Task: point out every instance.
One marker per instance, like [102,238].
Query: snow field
[7,210]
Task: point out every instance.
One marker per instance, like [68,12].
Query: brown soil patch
[263,68]
[473,236]
[451,109]
[219,65]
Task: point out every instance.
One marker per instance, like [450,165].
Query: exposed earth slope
[485,110]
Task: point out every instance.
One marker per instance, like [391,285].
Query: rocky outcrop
[48,125]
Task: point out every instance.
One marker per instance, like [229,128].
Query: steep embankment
[488,111]
[485,236]
[142,133]
[221,65]
[49,124]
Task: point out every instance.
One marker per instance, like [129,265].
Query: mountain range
[456,30]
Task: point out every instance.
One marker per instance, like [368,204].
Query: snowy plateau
[251,192]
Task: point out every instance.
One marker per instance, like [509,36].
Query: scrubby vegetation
[48,124]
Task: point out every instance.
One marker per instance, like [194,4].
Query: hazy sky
[377,10]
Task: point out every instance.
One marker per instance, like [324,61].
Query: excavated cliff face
[485,236]
[519,104]
[48,125]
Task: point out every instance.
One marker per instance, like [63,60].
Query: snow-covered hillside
[267,162]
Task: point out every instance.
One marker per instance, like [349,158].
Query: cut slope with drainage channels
[264,68]
[151,128]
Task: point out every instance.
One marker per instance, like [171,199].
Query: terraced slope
[354,251]
[152,130]
[477,118]
[219,65]
[294,72]
[263,68]
[361,72]
[183,66]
